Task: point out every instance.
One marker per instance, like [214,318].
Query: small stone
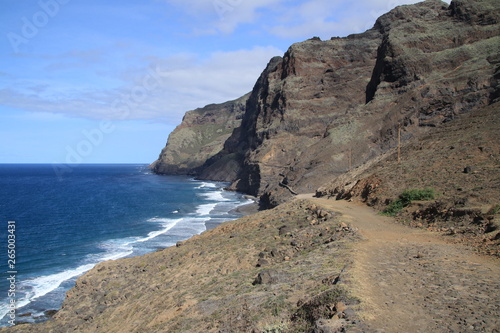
[467,169]
[283,230]
[262,262]
[340,306]
[349,314]
[268,276]
[50,313]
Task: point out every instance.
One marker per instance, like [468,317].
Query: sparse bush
[406,198]
[495,210]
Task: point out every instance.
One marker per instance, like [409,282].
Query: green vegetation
[495,209]
[406,198]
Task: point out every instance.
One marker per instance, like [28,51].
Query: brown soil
[411,280]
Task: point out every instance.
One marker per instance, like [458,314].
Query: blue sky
[88,81]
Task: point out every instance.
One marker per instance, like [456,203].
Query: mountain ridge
[327,106]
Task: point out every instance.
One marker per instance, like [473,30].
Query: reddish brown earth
[412,280]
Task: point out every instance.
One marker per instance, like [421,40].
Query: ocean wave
[215,196]
[205,209]
[207,185]
[170,231]
[167,225]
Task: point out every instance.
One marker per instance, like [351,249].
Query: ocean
[56,227]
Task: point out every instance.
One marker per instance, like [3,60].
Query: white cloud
[165,90]
[327,18]
[287,18]
[223,15]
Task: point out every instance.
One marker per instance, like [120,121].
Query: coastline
[217,209]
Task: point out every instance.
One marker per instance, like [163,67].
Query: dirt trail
[411,280]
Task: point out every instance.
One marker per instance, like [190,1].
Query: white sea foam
[114,249]
[207,185]
[214,196]
[205,209]
[167,225]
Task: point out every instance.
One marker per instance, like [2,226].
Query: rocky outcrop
[327,107]
[200,136]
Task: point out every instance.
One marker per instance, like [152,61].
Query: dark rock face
[200,136]
[326,107]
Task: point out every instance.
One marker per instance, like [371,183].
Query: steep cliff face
[328,106]
[200,136]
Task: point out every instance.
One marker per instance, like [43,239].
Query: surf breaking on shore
[38,294]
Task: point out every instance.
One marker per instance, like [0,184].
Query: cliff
[199,137]
[325,117]
[326,107]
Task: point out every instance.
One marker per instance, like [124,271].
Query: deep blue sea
[65,225]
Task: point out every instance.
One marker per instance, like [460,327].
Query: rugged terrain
[328,106]
[310,265]
[459,160]
[325,118]
[199,137]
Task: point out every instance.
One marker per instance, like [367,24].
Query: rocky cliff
[199,137]
[327,115]
[326,107]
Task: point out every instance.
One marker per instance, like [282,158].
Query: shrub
[406,198]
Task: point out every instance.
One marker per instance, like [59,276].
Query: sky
[89,81]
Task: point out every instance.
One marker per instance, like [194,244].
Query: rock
[334,279]
[340,306]
[298,106]
[50,313]
[343,226]
[262,262]
[321,214]
[284,230]
[192,143]
[269,276]
[330,326]
[349,314]
[467,169]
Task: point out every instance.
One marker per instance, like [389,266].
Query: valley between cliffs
[332,133]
